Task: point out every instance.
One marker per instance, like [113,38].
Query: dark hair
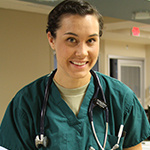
[73,7]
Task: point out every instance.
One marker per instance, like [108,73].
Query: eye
[92,40]
[72,40]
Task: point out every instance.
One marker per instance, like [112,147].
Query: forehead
[79,23]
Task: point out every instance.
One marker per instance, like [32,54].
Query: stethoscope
[42,140]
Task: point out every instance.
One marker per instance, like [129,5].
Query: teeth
[79,64]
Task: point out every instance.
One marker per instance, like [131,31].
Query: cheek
[62,54]
[95,52]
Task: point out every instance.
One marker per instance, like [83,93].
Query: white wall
[24,52]
[147,88]
[119,49]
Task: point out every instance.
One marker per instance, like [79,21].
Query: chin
[80,75]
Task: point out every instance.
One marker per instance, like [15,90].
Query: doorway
[130,71]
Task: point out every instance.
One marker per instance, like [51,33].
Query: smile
[79,63]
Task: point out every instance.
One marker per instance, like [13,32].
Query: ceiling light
[141,15]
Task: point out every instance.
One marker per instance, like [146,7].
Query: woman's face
[76,45]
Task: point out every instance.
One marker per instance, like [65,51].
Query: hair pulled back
[74,7]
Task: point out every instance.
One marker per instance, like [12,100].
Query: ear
[51,40]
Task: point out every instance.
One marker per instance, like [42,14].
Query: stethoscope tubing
[91,106]
[98,88]
[43,140]
[46,96]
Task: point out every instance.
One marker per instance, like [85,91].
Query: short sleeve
[21,122]
[136,124]
[15,133]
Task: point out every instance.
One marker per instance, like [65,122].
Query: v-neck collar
[65,109]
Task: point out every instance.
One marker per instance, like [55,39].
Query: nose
[81,50]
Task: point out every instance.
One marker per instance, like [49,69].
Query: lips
[79,63]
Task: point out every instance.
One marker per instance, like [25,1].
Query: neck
[71,83]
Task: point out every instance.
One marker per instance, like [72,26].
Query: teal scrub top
[65,130]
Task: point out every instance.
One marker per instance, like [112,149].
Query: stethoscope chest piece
[91,148]
[41,140]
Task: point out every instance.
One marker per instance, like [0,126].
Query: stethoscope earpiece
[41,140]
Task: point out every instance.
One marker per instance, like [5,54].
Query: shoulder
[113,84]
[30,94]
[26,103]
[36,85]
[117,93]
[40,82]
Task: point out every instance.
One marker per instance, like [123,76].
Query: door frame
[131,59]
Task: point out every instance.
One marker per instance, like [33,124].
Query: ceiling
[117,16]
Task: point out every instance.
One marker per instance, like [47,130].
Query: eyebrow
[93,35]
[70,33]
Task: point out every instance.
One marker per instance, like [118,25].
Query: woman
[74,30]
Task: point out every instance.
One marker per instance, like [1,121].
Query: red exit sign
[135,31]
